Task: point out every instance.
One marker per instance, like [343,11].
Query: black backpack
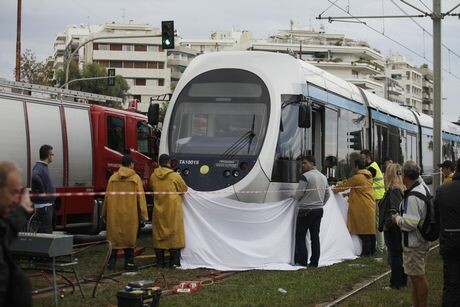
[429,229]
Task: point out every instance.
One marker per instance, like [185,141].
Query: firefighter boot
[160,255]
[112,260]
[129,259]
[174,259]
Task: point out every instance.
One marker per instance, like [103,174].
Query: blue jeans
[392,237]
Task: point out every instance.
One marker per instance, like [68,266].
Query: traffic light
[111,76]
[167,34]
[355,140]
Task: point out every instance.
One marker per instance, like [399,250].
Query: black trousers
[308,220]
[393,239]
[368,244]
[449,243]
[44,219]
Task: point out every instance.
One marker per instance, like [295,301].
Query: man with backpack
[449,239]
[415,246]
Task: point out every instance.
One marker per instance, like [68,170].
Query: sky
[43,19]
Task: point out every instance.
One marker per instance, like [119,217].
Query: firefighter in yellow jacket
[123,212]
[168,217]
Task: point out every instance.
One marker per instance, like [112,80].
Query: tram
[239,122]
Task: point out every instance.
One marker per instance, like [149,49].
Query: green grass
[311,287]
[376,296]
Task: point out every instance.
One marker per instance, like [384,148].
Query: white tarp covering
[225,234]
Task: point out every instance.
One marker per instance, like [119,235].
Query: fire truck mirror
[153,114]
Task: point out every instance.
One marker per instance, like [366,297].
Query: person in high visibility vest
[379,191]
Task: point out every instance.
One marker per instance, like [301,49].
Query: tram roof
[388,107]
[330,82]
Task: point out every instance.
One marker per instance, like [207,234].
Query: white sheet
[225,234]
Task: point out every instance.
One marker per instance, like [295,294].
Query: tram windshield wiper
[245,139]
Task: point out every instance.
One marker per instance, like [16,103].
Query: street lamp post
[96,37]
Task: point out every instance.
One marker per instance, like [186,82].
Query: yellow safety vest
[378,185]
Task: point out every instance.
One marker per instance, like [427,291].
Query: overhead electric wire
[87,9]
[392,39]
[421,27]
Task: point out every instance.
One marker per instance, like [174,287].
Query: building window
[103,63]
[115,47]
[161,82]
[140,47]
[354,73]
[140,82]
[140,64]
[128,64]
[155,65]
[408,75]
[103,46]
[152,48]
[128,47]
[116,64]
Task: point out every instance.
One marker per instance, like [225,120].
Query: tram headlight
[227,173]
[186,172]
[178,170]
[236,173]
[244,166]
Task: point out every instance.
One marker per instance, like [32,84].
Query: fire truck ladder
[54,93]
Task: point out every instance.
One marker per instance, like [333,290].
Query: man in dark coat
[42,183]
[446,201]
[15,204]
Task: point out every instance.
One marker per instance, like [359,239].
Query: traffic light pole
[91,39]
[84,79]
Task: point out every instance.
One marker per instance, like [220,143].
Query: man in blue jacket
[42,183]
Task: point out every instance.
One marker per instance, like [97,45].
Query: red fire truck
[88,142]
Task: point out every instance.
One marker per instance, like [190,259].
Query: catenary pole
[437,97]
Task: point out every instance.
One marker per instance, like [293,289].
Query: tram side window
[427,150]
[448,150]
[380,142]
[330,142]
[412,147]
[293,143]
[394,147]
[116,133]
[351,140]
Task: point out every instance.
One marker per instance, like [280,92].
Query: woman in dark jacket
[390,203]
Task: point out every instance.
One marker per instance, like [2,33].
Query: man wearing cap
[123,211]
[447,169]
[168,217]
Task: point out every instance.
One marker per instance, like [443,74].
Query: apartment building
[427,89]
[140,60]
[409,77]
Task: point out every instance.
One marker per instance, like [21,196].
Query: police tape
[69,194]
[228,191]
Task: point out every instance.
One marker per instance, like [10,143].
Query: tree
[74,73]
[100,86]
[32,71]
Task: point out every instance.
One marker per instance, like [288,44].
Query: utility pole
[437,17]
[437,102]
[18,43]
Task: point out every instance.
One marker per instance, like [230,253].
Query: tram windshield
[223,112]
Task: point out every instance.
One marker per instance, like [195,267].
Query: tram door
[317,137]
